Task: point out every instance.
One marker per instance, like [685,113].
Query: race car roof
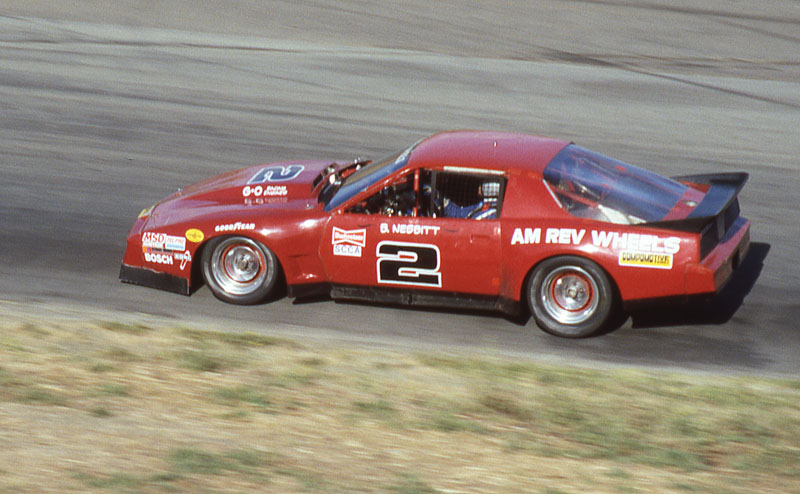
[485,149]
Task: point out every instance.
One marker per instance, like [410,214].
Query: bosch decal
[276,173]
[158,258]
[405,263]
[348,242]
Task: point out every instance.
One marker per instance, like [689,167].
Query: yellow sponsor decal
[645,260]
[194,235]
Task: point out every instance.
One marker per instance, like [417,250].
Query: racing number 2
[407,263]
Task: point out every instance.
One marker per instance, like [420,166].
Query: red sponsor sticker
[349,237]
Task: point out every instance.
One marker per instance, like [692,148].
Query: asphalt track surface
[109,106]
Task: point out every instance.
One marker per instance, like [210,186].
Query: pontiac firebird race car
[482,220]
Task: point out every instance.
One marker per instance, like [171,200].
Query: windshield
[363,178]
[591,185]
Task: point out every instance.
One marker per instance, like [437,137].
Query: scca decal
[276,173]
[407,263]
[348,242]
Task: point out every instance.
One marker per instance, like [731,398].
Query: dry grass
[115,407]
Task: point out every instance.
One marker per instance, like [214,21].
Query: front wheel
[570,296]
[239,270]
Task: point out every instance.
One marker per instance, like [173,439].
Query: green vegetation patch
[244,340]
[180,410]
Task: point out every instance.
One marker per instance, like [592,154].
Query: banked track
[98,120]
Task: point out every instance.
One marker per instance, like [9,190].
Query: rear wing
[716,214]
[720,201]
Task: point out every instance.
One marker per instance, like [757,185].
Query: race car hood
[274,187]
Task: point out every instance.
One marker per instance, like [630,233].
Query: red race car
[482,220]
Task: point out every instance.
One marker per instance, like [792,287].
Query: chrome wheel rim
[569,295]
[239,266]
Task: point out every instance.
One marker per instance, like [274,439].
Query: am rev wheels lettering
[239,270]
[406,263]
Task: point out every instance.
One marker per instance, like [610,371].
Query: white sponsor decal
[262,191]
[234,227]
[348,242]
[530,236]
[249,201]
[406,263]
[346,250]
[404,229]
[635,242]
[184,258]
[158,258]
[276,173]
[155,240]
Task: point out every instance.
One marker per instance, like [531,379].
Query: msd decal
[163,241]
[276,173]
[348,242]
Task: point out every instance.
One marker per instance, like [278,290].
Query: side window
[462,195]
[396,199]
[438,194]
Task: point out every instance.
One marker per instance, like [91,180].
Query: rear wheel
[570,296]
[239,270]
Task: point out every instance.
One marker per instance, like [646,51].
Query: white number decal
[276,173]
[407,263]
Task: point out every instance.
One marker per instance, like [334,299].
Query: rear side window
[590,185]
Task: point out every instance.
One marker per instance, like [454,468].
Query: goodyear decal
[645,260]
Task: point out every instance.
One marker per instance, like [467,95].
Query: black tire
[239,270]
[570,296]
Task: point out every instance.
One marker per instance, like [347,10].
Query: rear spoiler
[722,193]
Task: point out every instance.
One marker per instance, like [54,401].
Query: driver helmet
[490,190]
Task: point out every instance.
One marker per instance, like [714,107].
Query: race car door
[427,230]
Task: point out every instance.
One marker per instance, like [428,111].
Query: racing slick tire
[239,270]
[570,296]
